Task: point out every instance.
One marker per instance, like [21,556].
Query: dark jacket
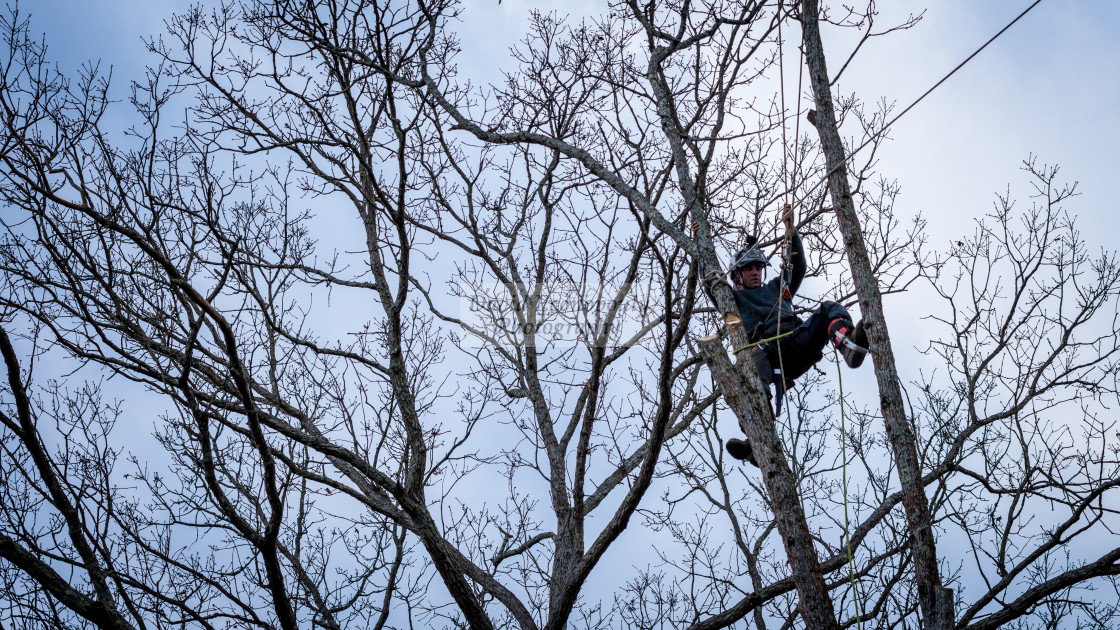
[759,307]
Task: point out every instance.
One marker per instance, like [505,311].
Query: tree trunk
[740,386]
[935,600]
[743,391]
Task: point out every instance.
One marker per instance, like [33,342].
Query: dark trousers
[802,349]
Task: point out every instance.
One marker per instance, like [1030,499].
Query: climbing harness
[770,348]
[761,342]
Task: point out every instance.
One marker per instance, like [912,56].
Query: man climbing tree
[315,400]
[784,346]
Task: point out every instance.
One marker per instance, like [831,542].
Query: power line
[920,98]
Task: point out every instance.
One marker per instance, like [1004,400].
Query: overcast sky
[1049,86]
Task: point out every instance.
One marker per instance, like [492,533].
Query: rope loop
[714,277]
[762,342]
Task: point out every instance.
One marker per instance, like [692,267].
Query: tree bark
[743,391]
[935,600]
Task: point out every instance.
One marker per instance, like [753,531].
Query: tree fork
[935,600]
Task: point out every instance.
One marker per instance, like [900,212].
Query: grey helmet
[747,256]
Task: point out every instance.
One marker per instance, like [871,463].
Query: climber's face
[748,277]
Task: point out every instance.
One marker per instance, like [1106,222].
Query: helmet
[748,256]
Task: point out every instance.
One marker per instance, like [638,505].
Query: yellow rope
[844,484]
[755,344]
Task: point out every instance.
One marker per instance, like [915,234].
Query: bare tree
[1031,356]
[428,354]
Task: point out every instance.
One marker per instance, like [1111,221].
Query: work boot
[741,450]
[851,342]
